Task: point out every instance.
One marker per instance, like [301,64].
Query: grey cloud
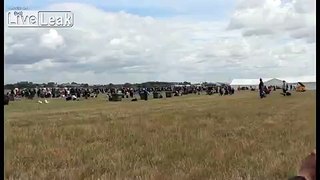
[305,6]
[311,40]
[235,24]
[257,32]
[245,4]
[307,33]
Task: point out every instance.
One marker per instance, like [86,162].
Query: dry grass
[188,137]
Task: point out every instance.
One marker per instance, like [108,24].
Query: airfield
[189,137]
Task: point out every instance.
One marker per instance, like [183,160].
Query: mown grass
[188,137]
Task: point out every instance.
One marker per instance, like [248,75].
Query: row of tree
[151,84]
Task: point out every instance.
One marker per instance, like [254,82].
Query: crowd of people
[51,92]
[126,92]
[73,93]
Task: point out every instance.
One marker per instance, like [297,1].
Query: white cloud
[274,17]
[52,39]
[104,47]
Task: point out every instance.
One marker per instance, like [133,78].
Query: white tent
[308,81]
[274,82]
[247,82]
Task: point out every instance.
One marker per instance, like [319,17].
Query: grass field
[188,137]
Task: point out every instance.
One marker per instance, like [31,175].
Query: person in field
[261,89]
[145,92]
[131,93]
[284,88]
[6,100]
[220,91]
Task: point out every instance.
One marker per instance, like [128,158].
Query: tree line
[150,84]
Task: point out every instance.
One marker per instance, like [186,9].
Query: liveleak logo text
[43,19]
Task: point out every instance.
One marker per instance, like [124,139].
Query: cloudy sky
[164,40]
